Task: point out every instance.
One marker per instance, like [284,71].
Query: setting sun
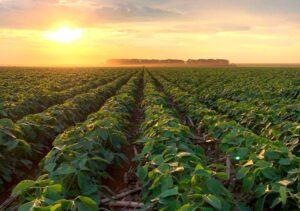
[64,35]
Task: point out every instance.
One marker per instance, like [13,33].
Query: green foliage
[80,156]
[172,170]
[261,140]
[25,139]
[252,115]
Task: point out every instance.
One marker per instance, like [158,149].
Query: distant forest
[170,62]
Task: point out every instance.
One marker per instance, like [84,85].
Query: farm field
[142,138]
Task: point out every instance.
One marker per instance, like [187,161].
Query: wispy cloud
[130,12]
[37,13]
[206,28]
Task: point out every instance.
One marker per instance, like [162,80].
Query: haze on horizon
[248,31]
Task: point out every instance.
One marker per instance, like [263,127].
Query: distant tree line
[208,61]
[191,62]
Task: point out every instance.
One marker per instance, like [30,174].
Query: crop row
[24,141]
[14,80]
[270,123]
[244,84]
[172,169]
[265,123]
[266,171]
[258,89]
[234,87]
[37,101]
[17,83]
[74,168]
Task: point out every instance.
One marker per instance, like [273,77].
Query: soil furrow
[123,177]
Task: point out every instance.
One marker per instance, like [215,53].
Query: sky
[243,31]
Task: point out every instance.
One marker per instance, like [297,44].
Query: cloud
[39,14]
[207,28]
[129,12]
[169,16]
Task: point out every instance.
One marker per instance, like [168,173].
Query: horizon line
[239,64]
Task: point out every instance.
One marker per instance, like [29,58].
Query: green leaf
[213,201]
[65,204]
[5,122]
[142,173]
[216,187]
[242,172]
[187,207]
[147,148]
[27,206]
[284,161]
[283,195]
[275,202]
[272,155]
[259,205]
[103,133]
[55,207]
[270,173]
[263,163]
[64,169]
[261,190]
[166,182]
[169,192]
[50,167]
[22,187]
[294,171]
[88,204]
[222,175]
[53,191]
[85,185]
[118,139]
[248,182]
[158,159]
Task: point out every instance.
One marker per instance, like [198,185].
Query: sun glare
[64,35]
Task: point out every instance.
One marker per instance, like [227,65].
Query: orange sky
[248,31]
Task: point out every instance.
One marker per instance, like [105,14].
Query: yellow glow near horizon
[64,35]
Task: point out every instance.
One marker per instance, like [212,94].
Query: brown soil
[123,175]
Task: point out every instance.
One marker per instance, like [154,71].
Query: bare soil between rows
[123,176]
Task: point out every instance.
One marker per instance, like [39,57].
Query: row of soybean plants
[261,87]
[40,75]
[174,172]
[244,84]
[19,84]
[15,82]
[269,122]
[41,98]
[267,171]
[72,172]
[23,142]
[247,87]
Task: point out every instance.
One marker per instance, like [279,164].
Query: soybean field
[138,138]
